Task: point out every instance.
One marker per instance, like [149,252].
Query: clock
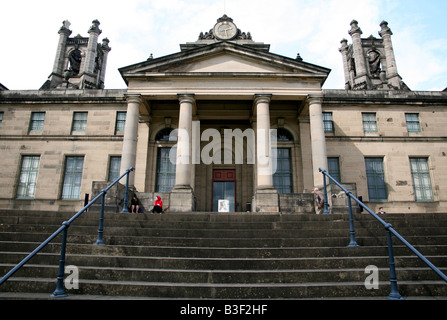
[225,30]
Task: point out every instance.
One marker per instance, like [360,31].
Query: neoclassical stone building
[224,119]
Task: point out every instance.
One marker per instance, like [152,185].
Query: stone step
[233,290]
[231,256]
[219,252]
[222,276]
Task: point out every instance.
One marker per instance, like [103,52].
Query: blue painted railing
[59,292]
[394,292]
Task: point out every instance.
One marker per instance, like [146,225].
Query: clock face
[225,30]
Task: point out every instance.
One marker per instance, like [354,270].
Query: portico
[211,87]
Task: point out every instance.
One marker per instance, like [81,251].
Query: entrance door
[224,188]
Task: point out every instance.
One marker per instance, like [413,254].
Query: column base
[182,199]
[266,200]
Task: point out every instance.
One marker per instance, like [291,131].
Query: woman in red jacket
[158,205]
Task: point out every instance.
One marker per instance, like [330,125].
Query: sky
[138,28]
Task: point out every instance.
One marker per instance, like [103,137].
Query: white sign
[224,206]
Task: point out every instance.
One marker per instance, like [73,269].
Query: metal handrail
[394,293]
[59,292]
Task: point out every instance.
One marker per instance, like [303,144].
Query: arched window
[284,135]
[164,135]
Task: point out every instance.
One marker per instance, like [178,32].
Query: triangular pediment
[224,58]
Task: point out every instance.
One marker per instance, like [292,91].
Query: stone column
[391,67]
[266,197]
[361,79]
[319,152]
[184,144]
[57,75]
[182,197]
[88,79]
[90,55]
[263,143]
[106,49]
[129,154]
[344,53]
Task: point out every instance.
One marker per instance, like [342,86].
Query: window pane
[334,168]
[421,179]
[120,121]
[369,122]
[327,122]
[376,179]
[165,179]
[37,120]
[282,178]
[115,167]
[79,121]
[73,177]
[413,124]
[28,177]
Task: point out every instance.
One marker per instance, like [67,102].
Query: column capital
[187,97]
[265,98]
[135,98]
[313,99]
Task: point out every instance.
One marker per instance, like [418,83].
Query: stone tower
[369,63]
[80,62]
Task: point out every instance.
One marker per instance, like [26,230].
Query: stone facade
[215,85]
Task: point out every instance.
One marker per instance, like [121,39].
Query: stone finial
[355,28]
[344,45]
[298,57]
[105,44]
[385,29]
[95,27]
[65,28]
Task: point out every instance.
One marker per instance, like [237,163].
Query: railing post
[326,204]
[59,292]
[126,198]
[394,293]
[100,241]
[352,243]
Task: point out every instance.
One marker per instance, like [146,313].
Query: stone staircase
[222,256]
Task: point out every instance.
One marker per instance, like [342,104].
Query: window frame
[419,176]
[76,183]
[79,125]
[26,174]
[372,177]
[36,125]
[369,125]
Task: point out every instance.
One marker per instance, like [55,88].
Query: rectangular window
[71,189]
[114,169]
[369,122]
[1,118]
[376,179]
[28,177]
[328,123]
[413,124]
[282,178]
[334,169]
[165,179]
[37,120]
[120,121]
[421,179]
[79,121]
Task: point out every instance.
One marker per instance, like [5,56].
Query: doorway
[224,188]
